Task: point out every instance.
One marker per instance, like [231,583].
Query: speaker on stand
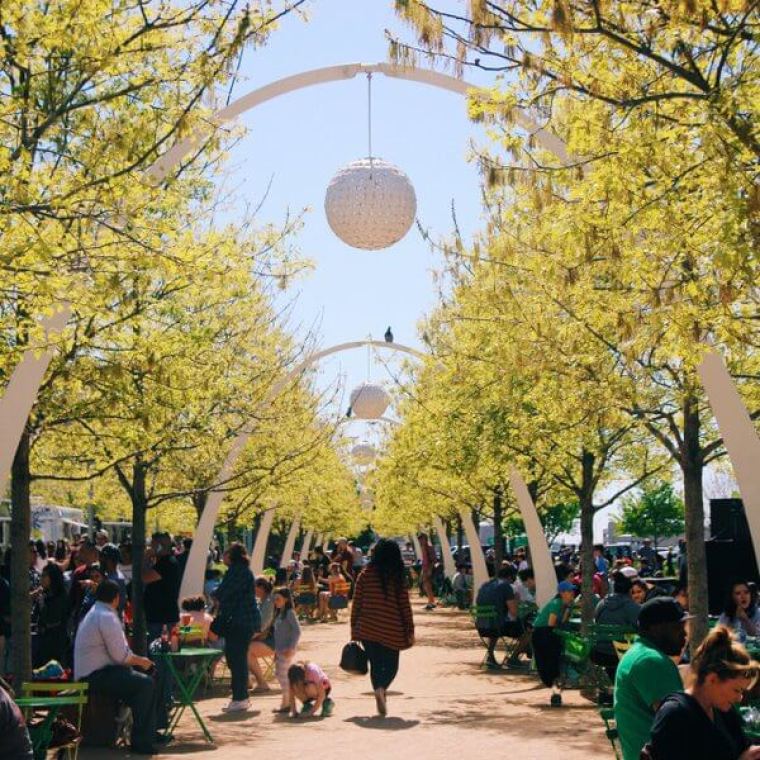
[729,553]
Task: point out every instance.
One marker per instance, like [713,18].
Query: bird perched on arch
[388,335]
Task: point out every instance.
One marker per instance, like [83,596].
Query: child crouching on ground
[310,685]
[287,632]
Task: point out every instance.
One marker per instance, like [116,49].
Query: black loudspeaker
[727,562]
[728,521]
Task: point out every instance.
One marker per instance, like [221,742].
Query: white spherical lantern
[370,204]
[369,401]
[363,453]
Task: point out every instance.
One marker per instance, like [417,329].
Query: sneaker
[308,705]
[327,707]
[430,606]
[237,705]
[556,700]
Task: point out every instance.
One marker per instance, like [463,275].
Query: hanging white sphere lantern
[370,204]
[369,401]
[363,453]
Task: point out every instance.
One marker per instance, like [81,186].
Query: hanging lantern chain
[369,115]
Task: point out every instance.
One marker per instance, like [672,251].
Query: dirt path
[441,705]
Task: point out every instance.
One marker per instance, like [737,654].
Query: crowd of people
[82,618]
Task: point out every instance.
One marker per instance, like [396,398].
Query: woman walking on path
[381,616]
[240,619]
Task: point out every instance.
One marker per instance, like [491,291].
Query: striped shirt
[386,620]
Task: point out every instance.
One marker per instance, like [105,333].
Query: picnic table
[187,680]
[42,733]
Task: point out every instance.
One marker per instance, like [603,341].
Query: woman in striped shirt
[381,616]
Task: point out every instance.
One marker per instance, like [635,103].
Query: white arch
[174,155]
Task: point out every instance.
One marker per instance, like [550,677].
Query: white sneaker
[240,705]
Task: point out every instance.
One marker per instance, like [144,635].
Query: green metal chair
[484,618]
[607,714]
[73,693]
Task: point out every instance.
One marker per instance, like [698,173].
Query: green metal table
[187,681]
[42,734]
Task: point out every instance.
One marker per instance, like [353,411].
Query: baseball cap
[565,586]
[661,609]
[629,572]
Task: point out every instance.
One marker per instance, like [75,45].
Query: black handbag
[220,625]
[353,659]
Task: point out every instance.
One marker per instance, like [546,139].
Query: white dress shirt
[100,641]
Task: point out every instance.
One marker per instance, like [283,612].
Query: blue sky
[299,140]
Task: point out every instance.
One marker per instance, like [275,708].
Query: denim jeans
[236,640]
[383,664]
[136,689]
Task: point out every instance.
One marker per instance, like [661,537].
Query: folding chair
[485,618]
[607,714]
[74,690]
[339,599]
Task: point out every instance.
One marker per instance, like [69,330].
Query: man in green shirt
[647,674]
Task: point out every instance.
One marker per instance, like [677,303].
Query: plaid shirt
[237,601]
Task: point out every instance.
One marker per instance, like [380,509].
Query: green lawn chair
[610,729]
[485,618]
[41,734]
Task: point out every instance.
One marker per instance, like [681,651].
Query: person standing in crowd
[342,555]
[647,674]
[187,544]
[240,620]
[262,643]
[600,561]
[161,578]
[459,587]
[381,616]
[287,633]
[101,538]
[52,634]
[740,613]
[547,646]
[701,723]
[428,562]
[86,555]
[109,566]
[103,658]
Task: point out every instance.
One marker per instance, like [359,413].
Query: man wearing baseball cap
[647,674]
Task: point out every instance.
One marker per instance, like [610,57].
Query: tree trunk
[199,502]
[586,498]
[21,519]
[460,537]
[139,529]
[498,526]
[691,466]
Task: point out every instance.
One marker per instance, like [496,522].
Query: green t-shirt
[554,606]
[645,676]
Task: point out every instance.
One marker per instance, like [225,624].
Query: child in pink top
[310,685]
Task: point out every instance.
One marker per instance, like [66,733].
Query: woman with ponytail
[701,723]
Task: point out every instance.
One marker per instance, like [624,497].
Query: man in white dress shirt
[103,658]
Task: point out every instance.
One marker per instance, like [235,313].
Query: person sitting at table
[547,646]
[102,657]
[618,608]
[305,593]
[336,582]
[498,593]
[647,674]
[700,723]
[740,613]
[194,614]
